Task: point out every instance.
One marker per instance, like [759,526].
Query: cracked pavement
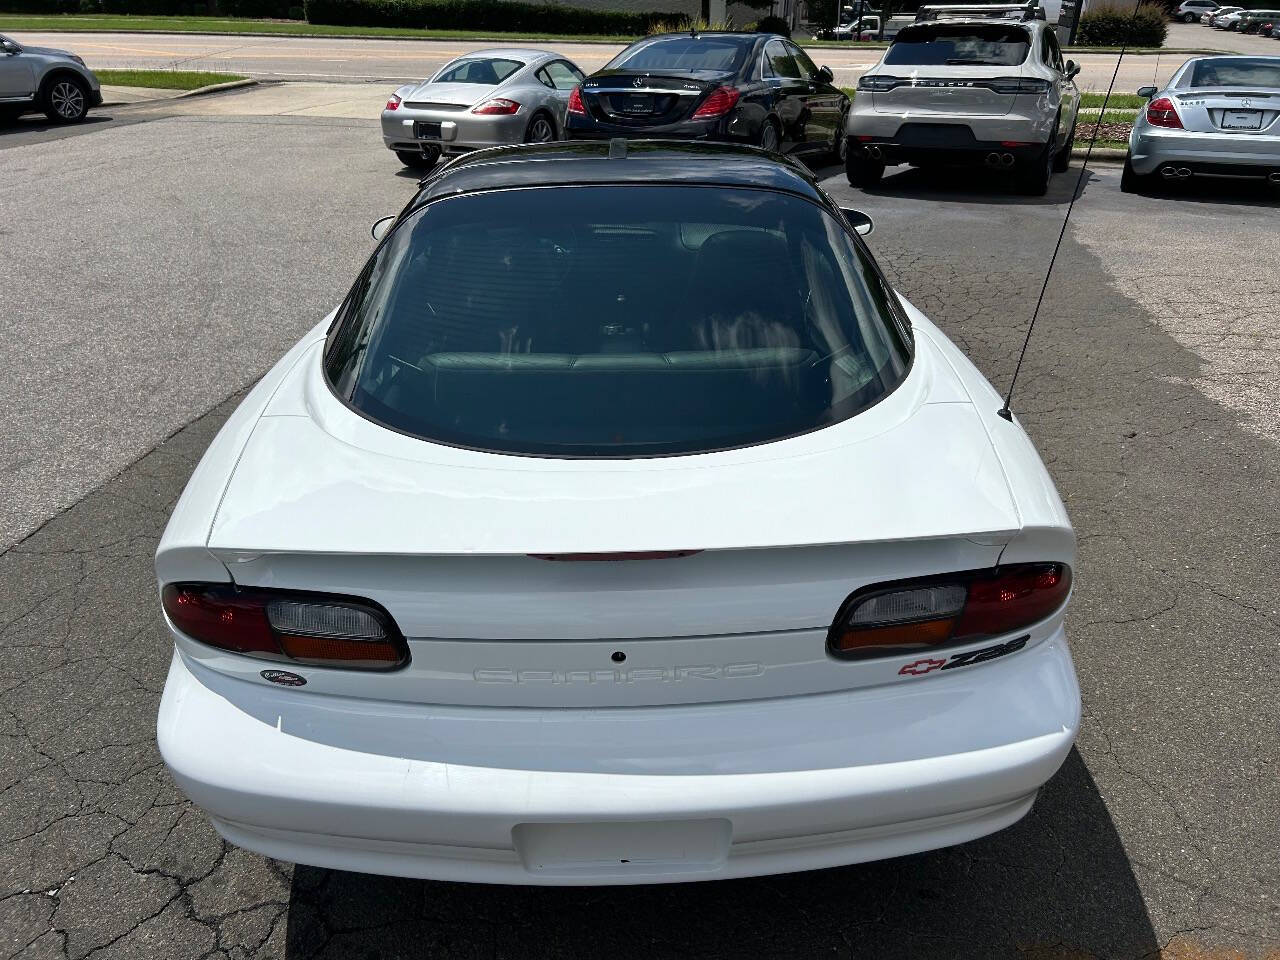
[206,245]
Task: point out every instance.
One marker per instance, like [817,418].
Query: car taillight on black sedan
[948,610]
[721,101]
[575,102]
[308,628]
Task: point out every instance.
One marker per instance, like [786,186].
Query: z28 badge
[917,668]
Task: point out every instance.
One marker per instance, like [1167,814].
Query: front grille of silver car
[421,105]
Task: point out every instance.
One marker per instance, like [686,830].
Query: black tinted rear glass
[490,71]
[616,321]
[686,54]
[997,45]
[1256,72]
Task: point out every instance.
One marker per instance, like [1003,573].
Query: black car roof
[588,162]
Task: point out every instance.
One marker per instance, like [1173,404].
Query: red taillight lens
[575,102]
[315,629]
[394,102]
[948,610]
[498,106]
[721,101]
[1162,113]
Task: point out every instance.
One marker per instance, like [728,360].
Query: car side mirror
[382,227]
[825,74]
[1147,92]
[860,222]
[1073,69]
[11,49]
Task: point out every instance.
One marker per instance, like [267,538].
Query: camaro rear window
[686,54]
[998,45]
[616,321]
[1236,73]
[492,71]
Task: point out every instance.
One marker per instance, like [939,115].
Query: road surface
[370,60]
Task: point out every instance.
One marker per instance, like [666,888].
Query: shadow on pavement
[975,185]
[1250,192]
[1057,885]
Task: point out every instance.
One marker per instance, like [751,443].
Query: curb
[1101,154]
[197,92]
[216,87]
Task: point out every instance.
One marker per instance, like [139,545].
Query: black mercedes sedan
[754,88]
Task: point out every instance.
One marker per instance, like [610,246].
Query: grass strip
[164,79]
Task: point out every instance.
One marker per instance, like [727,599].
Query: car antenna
[1004,411]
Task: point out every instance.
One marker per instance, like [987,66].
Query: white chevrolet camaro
[621,526]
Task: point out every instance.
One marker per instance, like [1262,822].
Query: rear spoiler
[994,11]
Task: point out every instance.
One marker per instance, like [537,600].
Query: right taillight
[575,102]
[1162,113]
[308,628]
[910,615]
[721,101]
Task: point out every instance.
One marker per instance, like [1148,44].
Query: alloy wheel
[541,131]
[67,100]
[769,138]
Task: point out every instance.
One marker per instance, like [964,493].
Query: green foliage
[495,15]
[773,25]
[1116,24]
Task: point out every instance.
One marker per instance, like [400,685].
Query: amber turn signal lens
[905,636]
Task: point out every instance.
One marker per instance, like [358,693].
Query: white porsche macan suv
[977,91]
[622,525]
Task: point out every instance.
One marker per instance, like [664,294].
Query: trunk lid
[643,99]
[944,91]
[762,545]
[450,95]
[1236,111]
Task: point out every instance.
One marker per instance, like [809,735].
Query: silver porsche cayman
[482,99]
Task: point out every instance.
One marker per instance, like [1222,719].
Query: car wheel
[769,139]
[1189,18]
[66,99]
[1133,182]
[862,171]
[541,129]
[1062,159]
[1033,180]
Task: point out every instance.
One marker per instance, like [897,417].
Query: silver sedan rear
[483,99]
[1218,116]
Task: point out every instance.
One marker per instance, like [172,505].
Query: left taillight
[909,615]
[314,629]
[1162,113]
[721,101]
[575,102]
[394,102]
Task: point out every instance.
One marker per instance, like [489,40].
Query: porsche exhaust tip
[1274,177]
[874,152]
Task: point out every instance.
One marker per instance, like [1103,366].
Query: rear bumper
[944,139]
[733,130]
[1215,154]
[460,131]
[298,777]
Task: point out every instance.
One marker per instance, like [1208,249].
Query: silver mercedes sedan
[482,99]
[1218,117]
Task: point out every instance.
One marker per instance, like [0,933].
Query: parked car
[55,82]
[1210,18]
[622,526]
[1218,116]
[482,99]
[1229,21]
[738,87]
[1189,11]
[979,91]
[1258,21]
[864,29]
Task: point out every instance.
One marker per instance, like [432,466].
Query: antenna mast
[1004,411]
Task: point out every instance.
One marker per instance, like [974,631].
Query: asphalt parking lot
[155,265]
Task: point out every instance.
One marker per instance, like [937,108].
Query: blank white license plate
[1242,120]
[621,848]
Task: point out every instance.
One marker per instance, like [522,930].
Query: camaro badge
[918,667]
